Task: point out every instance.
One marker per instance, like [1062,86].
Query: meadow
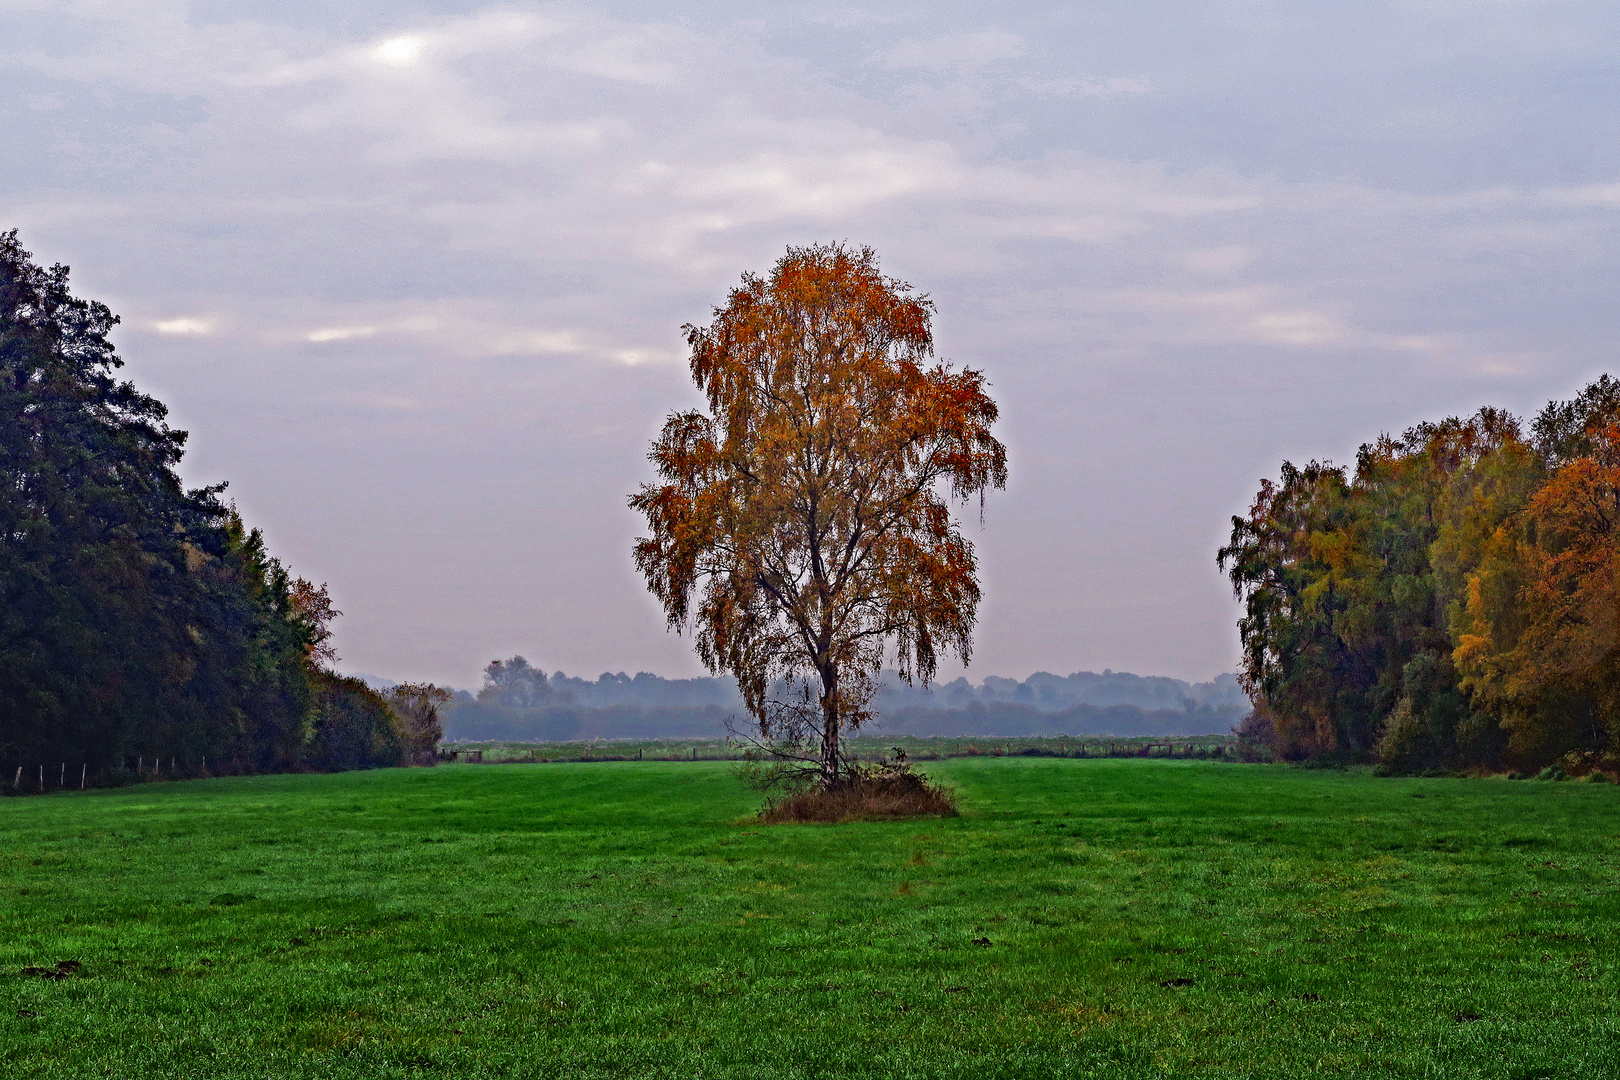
[1082,918]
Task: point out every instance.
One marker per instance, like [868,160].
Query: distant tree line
[1453,602]
[521,702]
[140,620]
[1049,693]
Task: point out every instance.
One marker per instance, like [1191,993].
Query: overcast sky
[412,274]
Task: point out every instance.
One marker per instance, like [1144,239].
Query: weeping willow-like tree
[803,524]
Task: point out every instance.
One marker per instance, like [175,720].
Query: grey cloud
[421,305]
[959,52]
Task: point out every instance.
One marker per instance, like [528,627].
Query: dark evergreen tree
[95,535]
[139,619]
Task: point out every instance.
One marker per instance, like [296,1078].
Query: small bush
[890,791]
[1599,778]
[354,726]
[1552,772]
[420,726]
[1257,738]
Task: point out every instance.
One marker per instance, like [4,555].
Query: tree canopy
[803,522]
[1453,602]
[140,619]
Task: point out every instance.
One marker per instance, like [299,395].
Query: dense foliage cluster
[1452,603]
[140,620]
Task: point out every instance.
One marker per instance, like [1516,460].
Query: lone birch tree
[803,526]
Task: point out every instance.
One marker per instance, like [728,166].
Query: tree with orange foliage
[804,523]
[1539,636]
[312,608]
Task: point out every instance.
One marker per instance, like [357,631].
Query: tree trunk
[829,728]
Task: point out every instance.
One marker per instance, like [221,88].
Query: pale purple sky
[413,274]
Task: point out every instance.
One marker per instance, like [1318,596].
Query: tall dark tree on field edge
[803,522]
[138,619]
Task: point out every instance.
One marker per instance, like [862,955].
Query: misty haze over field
[521,702]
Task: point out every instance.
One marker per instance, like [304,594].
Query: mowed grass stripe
[1082,918]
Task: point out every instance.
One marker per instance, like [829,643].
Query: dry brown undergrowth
[892,793]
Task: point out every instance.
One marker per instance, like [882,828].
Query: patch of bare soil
[61,971]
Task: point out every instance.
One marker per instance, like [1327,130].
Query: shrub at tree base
[888,792]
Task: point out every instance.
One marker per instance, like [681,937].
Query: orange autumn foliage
[1543,610]
[803,523]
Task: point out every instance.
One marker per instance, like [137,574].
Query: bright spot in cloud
[538,341]
[633,357]
[340,333]
[400,51]
[183,327]
[1296,328]
[1594,195]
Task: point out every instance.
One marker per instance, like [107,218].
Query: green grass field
[1082,918]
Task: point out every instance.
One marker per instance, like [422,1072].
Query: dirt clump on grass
[893,792]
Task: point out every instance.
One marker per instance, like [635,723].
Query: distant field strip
[1084,918]
[867,748]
